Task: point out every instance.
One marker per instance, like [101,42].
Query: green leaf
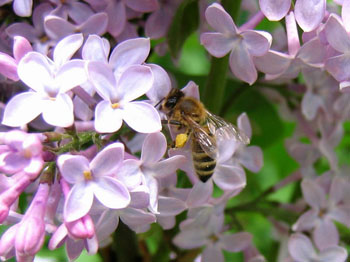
[186,21]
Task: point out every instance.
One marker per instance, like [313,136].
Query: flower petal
[212,253]
[300,248]
[273,62]
[251,158]
[23,7]
[134,82]
[236,242]
[217,44]
[229,177]
[153,148]
[220,20]
[275,10]
[339,67]
[334,254]
[142,117]
[130,52]
[170,206]
[34,70]
[103,80]
[136,217]
[107,119]
[111,193]
[200,194]
[161,84]
[242,65]
[78,202]
[70,75]
[313,193]
[58,112]
[309,14]
[96,24]
[72,167]
[168,166]
[336,34]
[130,173]
[107,161]
[22,109]
[95,49]
[257,42]
[66,48]
[325,235]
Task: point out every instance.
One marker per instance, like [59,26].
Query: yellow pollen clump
[115,105]
[52,98]
[87,175]
[180,140]
[27,153]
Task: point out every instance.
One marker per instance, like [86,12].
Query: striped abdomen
[204,165]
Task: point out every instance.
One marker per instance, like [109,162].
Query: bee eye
[171,102]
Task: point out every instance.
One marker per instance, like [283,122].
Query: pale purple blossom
[50,81]
[93,180]
[242,45]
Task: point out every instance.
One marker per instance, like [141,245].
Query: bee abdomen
[203,164]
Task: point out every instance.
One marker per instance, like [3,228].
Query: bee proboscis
[201,127]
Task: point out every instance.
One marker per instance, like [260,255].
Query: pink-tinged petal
[336,34]
[236,242]
[58,112]
[74,248]
[300,248]
[191,89]
[144,6]
[152,185]
[251,158]
[116,17]
[339,67]
[340,214]
[103,80]
[229,177]
[220,20]
[111,193]
[130,52]
[313,193]
[153,148]
[142,117]
[34,70]
[107,119]
[273,62]
[161,84]
[71,74]
[134,82]
[130,173]
[57,27]
[21,47]
[107,161]
[22,29]
[78,202]
[217,44]
[189,239]
[292,34]
[23,7]
[170,206]
[306,221]
[242,65]
[22,109]
[243,124]
[313,52]
[158,22]
[325,235]
[58,237]
[257,42]
[136,217]
[95,49]
[309,14]
[334,254]
[8,67]
[72,167]
[96,24]
[212,253]
[310,105]
[345,14]
[168,166]
[275,10]
[66,48]
[200,194]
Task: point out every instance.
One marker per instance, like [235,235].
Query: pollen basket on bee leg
[181,140]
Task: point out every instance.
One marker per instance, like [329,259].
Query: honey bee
[201,127]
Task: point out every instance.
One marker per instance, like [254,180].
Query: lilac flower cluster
[83,139]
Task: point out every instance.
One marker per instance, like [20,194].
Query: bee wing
[224,130]
[205,140]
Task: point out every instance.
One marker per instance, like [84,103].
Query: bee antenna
[160,101]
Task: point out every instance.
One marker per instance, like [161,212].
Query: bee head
[169,102]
